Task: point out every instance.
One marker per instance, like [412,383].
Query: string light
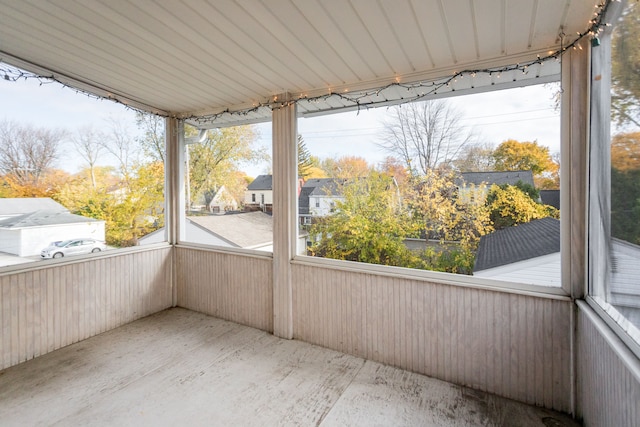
[365,99]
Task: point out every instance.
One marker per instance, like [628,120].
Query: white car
[72,247]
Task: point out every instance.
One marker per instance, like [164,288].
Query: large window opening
[78,175]
[615,173]
[228,187]
[466,185]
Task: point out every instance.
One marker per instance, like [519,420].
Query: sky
[523,114]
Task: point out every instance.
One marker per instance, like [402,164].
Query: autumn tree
[394,168]
[475,158]
[424,135]
[367,226]
[625,151]
[346,167]
[27,153]
[218,157]
[512,155]
[509,206]
[445,216]
[625,67]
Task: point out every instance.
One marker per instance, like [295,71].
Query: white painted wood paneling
[517,346]
[608,374]
[230,286]
[46,308]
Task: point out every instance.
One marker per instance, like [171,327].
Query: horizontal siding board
[512,345]
[51,307]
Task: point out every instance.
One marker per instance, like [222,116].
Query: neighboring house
[318,198]
[259,194]
[27,234]
[470,183]
[527,253]
[222,201]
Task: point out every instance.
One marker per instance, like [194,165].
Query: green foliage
[305,163]
[368,225]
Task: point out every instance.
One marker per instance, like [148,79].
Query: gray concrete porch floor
[181,368]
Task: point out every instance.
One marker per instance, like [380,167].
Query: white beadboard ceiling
[200,57]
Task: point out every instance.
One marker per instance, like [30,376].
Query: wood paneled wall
[226,285]
[512,345]
[608,374]
[45,308]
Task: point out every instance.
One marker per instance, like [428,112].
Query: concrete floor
[182,368]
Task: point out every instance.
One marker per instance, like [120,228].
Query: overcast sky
[524,114]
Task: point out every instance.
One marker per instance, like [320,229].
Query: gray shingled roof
[262,182]
[498,178]
[525,241]
[19,206]
[244,229]
[43,217]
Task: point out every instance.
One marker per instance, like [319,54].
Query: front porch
[179,367]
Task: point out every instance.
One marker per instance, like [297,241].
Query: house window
[253,197]
[614,195]
[262,199]
[395,202]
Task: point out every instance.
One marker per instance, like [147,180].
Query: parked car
[72,247]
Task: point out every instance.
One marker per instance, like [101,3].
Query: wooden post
[284,214]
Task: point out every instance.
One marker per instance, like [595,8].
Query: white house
[222,201]
[27,234]
[318,197]
[259,194]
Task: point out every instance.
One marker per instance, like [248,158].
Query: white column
[174,188]
[284,215]
[573,167]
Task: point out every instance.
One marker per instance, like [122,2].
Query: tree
[394,168]
[346,167]
[153,139]
[424,135]
[130,209]
[89,143]
[368,225]
[305,163]
[475,158]
[625,151]
[119,143]
[443,215]
[509,206]
[512,155]
[27,153]
[214,161]
[625,67]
